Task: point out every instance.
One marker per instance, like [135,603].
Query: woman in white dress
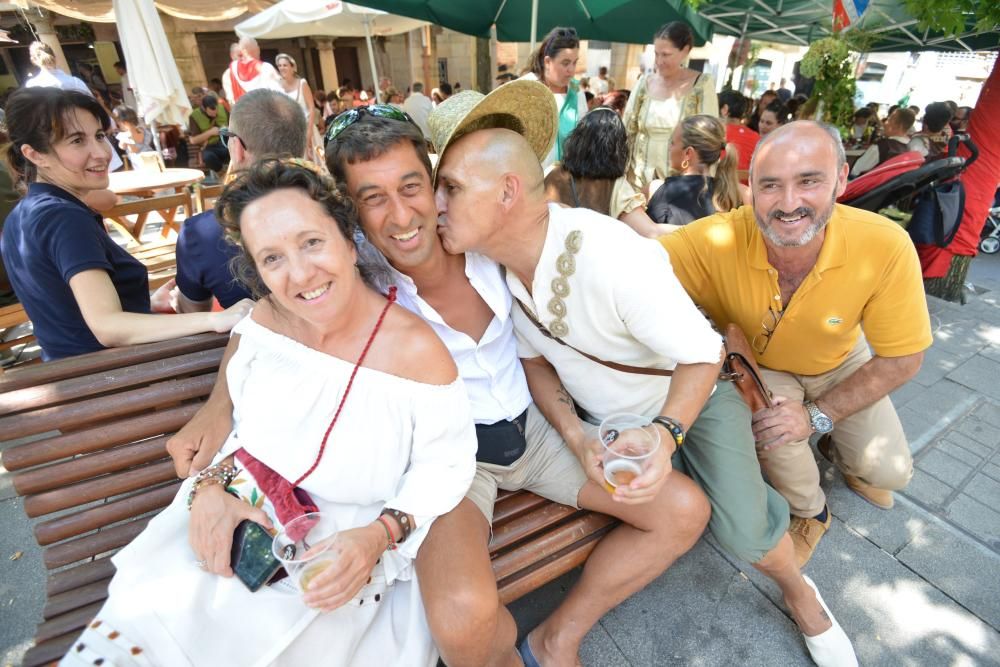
[554,64]
[298,89]
[658,103]
[333,385]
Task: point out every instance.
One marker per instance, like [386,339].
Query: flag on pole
[847,13]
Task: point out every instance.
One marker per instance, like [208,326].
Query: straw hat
[527,107]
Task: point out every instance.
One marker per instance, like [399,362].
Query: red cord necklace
[391,298]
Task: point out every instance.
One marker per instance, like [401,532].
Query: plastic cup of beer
[305,547]
[629,442]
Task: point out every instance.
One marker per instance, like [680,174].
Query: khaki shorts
[548,467]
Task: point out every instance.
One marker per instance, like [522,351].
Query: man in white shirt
[384,165]
[250,72]
[601,84]
[419,106]
[605,293]
[387,173]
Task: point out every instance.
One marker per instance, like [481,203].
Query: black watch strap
[675,428]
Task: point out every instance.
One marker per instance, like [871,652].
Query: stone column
[47,33]
[184,48]
[327,64]
[625,65]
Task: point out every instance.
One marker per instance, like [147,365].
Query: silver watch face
[821,423]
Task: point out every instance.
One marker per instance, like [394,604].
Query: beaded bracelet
[405,526]
[221,473]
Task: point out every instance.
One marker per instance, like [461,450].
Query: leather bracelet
[674,427]
[405,526]
[391,546]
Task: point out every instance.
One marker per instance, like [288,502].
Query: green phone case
[252,560]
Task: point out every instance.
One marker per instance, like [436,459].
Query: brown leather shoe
[878,497]
[806,534]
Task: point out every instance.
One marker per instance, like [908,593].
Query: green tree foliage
[952,16]
[829,61]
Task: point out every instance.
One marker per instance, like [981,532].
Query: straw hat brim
[524,106]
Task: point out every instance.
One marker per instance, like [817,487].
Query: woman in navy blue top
[81,290]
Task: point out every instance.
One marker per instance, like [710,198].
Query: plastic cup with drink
[305,547]
[629,442]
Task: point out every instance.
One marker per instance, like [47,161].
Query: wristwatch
[674,428]
[821,423]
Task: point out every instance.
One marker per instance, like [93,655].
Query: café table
[144,183]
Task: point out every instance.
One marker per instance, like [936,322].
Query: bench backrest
[96,470]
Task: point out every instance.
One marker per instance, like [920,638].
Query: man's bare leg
[469,625]
[781,566]
[655,534]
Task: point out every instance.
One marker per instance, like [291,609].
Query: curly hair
[598,146]
[262,179]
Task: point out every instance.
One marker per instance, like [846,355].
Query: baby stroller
[904,176]
[989,241]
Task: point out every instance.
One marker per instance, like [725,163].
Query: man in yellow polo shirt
[813,284]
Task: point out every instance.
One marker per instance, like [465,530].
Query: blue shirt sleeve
[190,279]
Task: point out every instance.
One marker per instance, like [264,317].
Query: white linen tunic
[620,301]
[397,443]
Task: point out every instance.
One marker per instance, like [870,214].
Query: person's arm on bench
[194,446]
[101,308]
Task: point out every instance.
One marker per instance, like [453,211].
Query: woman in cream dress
[659,102]
[401,441]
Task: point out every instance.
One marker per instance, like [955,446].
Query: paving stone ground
[917,585]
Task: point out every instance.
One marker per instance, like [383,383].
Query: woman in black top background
[708,181]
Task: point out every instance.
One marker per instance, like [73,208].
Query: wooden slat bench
[97,471]
[11,317]
[160,260]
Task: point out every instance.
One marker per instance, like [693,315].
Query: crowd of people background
[341,204]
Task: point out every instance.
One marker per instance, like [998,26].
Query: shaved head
[489,182]
[792,132]
[497,151]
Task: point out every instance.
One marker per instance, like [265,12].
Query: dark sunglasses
[226,134]
[351,116]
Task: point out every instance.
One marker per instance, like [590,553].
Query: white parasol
[325,18]
[153,74]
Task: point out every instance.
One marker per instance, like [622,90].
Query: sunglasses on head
[351,116]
